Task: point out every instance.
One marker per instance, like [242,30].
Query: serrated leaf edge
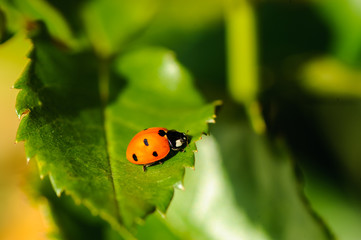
[180,183]
[22,83]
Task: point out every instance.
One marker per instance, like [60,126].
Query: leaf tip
[161,213]
[22,113]
[179,185]
[218,102]
[212,120]
[217,105]
[58,190]
[21,83]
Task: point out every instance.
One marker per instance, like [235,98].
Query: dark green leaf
[79,131]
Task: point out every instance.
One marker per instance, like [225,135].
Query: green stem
[242,59]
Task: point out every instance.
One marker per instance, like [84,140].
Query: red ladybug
[154,144]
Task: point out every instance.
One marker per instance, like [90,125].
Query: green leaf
[266,184]
[65,218]
[81,118]
[334,205]
[178,24]
[212,209]
[344,19]
[235,204]
[4,33]
[110,24]
[35,10]
[9,21]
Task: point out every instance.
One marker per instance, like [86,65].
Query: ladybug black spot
[146,142]
[135,157]
[155,154]
[161,133]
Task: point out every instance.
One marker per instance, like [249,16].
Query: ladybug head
[177,140]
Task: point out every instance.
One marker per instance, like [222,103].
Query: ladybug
[151,145]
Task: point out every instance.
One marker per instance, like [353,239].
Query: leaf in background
[110,24]
[80,140]
[344,18]
[265,184]
[178,23]
[261,170]
[340,211]
[29,11]
[10,21]
[4,32]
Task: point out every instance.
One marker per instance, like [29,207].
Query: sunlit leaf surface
[78,130]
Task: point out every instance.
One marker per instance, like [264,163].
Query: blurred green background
[283,160]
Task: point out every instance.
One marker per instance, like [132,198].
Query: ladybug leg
[183,149]
[151,164]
